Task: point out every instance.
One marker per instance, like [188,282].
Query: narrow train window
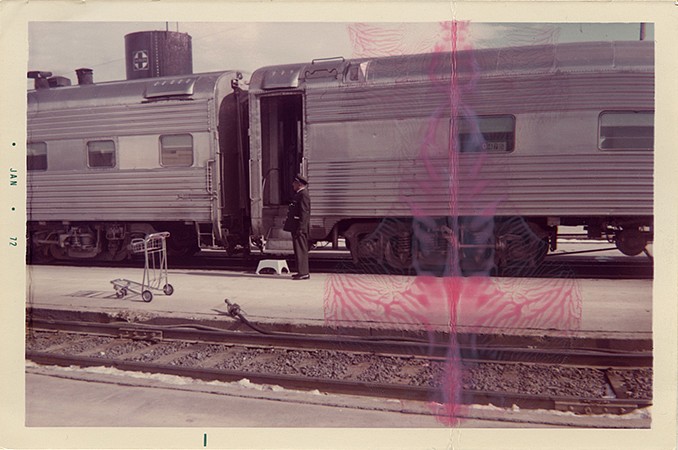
[486,134]
[36,158]
[176,150]
[356,72]
[626,130]
[101,154]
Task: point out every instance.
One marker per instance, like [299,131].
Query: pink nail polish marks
[453,303]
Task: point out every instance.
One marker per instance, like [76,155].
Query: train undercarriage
[468,245]
[103,241]
[480,245]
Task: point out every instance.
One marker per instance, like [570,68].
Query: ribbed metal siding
[167,194]
[127,120]
[545,60]
[510,95]
[544,185]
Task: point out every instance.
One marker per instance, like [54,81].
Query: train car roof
[125,92]
[637,56]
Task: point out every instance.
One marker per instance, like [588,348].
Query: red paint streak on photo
[452,302]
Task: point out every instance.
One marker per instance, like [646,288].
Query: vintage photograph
[322,224]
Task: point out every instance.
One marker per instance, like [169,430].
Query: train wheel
[433,252]
[520,246]
[630,242]
[398,251]
[57,252]
[182,242]
[476,252]
[147,296]
[362,243]
[39,254]
[120,254]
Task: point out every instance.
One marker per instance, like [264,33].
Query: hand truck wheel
[168,289]
[147,296]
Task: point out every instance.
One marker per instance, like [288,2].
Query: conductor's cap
[301,180]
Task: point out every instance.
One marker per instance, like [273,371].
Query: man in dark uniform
[298,223]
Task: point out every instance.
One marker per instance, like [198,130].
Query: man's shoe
[301,277]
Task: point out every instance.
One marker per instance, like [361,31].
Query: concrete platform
[512,306]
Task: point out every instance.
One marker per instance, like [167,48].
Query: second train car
[467,160]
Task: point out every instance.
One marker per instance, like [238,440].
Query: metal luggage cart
[154,248]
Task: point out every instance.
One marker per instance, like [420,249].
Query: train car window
[357,72]
[36,158]
[626,130]
[486,134]
[101,153]
[176,150]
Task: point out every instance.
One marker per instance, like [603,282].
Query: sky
[62,47]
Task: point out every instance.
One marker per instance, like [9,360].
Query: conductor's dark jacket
[299,214]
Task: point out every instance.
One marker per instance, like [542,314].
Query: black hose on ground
[235,312]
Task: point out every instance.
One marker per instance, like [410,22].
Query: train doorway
[282,150]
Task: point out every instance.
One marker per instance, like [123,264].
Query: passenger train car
[109,162]
[475,157]
[467,160]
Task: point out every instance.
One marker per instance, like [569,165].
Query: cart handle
[162,235]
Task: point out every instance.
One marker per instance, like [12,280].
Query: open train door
[282,157]
[277,153]
[282,152]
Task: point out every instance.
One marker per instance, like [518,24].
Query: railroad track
[584,381]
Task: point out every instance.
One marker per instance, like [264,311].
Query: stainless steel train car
[471,160]
[108,162]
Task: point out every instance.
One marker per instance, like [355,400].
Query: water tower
[150,54]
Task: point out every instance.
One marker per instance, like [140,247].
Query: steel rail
[405,392]
[381,345]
